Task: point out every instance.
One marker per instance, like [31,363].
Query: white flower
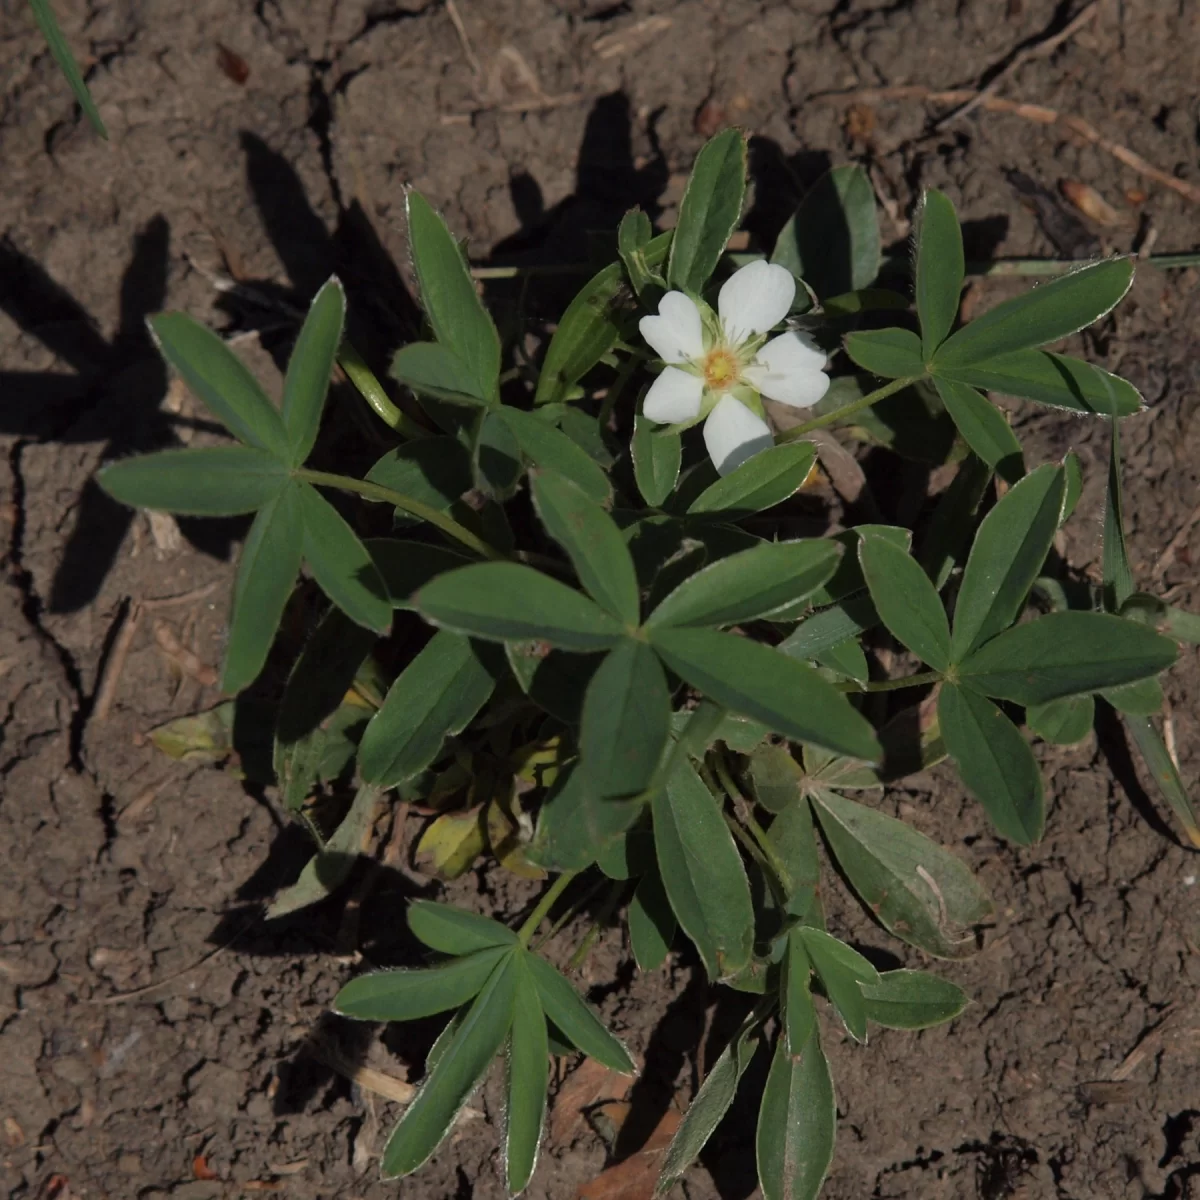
[720,363]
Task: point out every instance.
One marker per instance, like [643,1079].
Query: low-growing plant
[622,662]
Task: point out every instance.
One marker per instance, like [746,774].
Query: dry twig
[1018,60]
[186,660]
[1037,113]
[110,677]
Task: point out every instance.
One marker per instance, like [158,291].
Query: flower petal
[674,335]
[789,369]
[733,434]
[755,298]
[673,396]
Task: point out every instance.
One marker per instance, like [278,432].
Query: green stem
[544,905]
[848,410]
[746,816]
[617,386]
[774,881]
[373,393]
[375,491]
[606,911]
[890,685]
[570,912]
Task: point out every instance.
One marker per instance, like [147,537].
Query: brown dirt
[298,171]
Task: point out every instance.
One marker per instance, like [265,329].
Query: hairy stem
[373,393]
[375,491]
[847,410]
[890,685]
[544,905]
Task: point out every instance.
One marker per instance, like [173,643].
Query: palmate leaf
[888,353]
[995,763]
[508,601]
[626,720]
[459,321]
[410,994]
[209,481]
[577,822]
[593,542]
[456,930]
[461,1065]
[761,482]
[702,872]
[657,455]
[915,889]
[939,269]
[751,584]
[912,1000]
[709,211]
[551,449]
[309,368]
[906,600]
[1062,722]
[435,696]
[797,1123]
[842,970]
[652,923]
[983,428]
[755,680]
[528,1063]
[222,381]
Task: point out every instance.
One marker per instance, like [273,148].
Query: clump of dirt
[154,1031]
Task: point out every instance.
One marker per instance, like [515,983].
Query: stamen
[721,369]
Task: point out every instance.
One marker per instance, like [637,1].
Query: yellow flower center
[721,368]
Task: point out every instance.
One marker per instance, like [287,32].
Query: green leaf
[751,584]
[456,315]
[939,269]
[341,565]
[709,211]
[1047,313]
[846,659]
[590,327]
[828,627]
[309,368]
[906,600]
[592,541]
[433,470]
[656,458]
[799,1013]
[551,449]
[1118,574]
[409,995]
[502,601]
[912,1000]
[755,680]
[797,1123]
[953,520]
[221,380]
[841,969]
[331,866]
[702,872]
[1010,547]
[710,1104]
[60,50]
[889,353]
[463,1063]
[776,778]
[435,696]
[1062,722]
[575,1020]
[634,234]
[983,428]
[1054,379]
[626,720]
[455,930]
[1066,654]
[795,843]
[1141,699]
[915,889]
[651,921]
[1162,766]
[1074,473]
[267,570]
[995,763]
[759,483]
[408,566]
[832,241]
[528,1077]
[576,823]
[315,692]
[212,481]
[496,456]
[431,369]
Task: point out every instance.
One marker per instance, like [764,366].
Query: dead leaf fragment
[588,1084]
[452,843]
[201,1169]
[1089,202]
[636,1177]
